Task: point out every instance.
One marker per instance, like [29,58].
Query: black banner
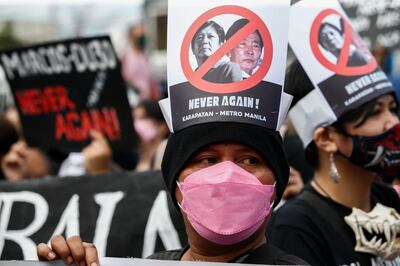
[65,89]
[375,21]
[345,93]
[124,214]
[258,105]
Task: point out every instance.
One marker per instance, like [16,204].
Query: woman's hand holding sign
[97,154]
[71,250]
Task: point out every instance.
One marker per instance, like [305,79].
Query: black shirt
[265,254]
[297,228]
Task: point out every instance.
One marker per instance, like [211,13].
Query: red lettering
[76,126]
[29,101]
[57,98]
[86,124]
[115,122]
[102,123]
[61,127]
[73,120]
[50,99]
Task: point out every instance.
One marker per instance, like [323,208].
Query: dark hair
[237,25]
[326,24]
[8,135]
[220,31]
[152,110]
[299,85]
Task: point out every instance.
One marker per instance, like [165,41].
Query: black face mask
[379,154]
[141,42]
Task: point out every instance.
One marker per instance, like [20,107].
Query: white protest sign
[226,62]
[342,69]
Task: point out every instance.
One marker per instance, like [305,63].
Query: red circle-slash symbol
[195,77]
[340,67]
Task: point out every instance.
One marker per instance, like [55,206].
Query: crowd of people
[263,210]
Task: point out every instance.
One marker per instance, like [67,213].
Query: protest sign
[226,62]
[64,89]
[124,214]
[344,73]
[375,21]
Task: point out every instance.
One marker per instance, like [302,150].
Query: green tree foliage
[7,38]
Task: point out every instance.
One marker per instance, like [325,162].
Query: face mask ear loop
[179,187]
[180,206]
[273,202]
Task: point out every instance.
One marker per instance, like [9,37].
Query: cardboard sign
[64,89]
[123,214]
[226,62]
[344,73]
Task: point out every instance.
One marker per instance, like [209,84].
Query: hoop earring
[333,171]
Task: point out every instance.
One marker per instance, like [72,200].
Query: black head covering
[183,145]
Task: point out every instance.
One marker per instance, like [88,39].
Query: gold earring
[333,171]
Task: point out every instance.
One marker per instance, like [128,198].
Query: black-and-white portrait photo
[206,41]
[331,38]
[247,53]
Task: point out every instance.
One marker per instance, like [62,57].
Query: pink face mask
[145,129]
[224,203]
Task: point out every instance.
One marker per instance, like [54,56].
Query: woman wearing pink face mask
[152,130]
[225,178]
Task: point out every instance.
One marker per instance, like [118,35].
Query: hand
[295,184]
[14,164]
[97,154]
[70,250]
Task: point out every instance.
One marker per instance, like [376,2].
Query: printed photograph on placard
[332,38]
[225,61]
[334,56]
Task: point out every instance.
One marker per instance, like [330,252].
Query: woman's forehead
[228,146]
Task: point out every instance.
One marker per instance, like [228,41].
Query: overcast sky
[94,16]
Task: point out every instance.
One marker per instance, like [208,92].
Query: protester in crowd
[94,159]
[151,129]
[381,54]
[331,38]
[136,68]
[11,114]
[248,51]
[384,60]
[246,164]
[294,186]
[295,154]
[8,136]
[208,38]
[21,161]
[24,162]
[319,225]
